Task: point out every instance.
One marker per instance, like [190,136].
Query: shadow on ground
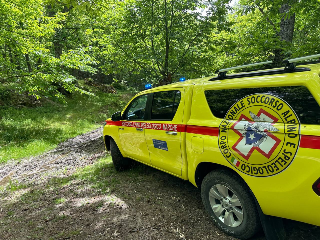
[99,203]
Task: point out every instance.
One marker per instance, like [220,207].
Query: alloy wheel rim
[226,205]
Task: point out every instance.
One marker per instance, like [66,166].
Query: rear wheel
[120,163]
[230,204]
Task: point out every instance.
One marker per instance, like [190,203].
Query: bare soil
[53,196]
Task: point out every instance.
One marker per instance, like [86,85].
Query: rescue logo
[260,135]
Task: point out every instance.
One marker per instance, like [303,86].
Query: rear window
[298,97]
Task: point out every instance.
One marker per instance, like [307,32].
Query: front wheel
[230,204]
[120,163]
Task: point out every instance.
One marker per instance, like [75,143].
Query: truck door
[132,132]
[163,135]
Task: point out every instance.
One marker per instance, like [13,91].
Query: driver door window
[137,109]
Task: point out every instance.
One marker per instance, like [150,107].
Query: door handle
[121,128]
[171,133]
[139,129]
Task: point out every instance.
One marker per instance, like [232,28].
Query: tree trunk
[58,37]
[285,33]
[286,24]
[28,62]
[166,74]
[57,47]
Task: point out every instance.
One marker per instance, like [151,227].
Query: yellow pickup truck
[250,141]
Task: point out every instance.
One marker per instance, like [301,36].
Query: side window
[165,105]
[298,97]
[137,109]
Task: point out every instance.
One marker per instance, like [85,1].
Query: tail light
[316,187]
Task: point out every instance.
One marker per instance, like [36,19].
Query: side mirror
[116,116]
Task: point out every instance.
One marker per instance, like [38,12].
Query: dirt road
[73,192]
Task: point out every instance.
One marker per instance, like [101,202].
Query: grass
[67,234]
[14,186]
[99,175]
[29,131]
[102,175]
[60,200]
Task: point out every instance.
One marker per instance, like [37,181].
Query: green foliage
[31,131]
[46,45]
[307,31]
[30,41]
[156,41]
[118,85]
[254,32]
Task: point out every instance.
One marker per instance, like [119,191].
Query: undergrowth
[29,131]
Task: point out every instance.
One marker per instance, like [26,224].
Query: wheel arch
[107,142]
[107,139]
[204,168]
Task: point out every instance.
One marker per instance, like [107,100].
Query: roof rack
[222,73]
[300,59]
[289,67]
[290,62]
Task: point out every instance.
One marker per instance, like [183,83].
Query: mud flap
[273,227]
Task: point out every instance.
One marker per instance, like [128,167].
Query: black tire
[239,219]
[120,163]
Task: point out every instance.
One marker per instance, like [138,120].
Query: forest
[67,65]
[48,46]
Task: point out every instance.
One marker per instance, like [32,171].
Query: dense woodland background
[46,46]
[67,65]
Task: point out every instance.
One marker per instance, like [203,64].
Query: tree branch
[134,60]
[15,76]
[152,38]
[185,52]
[172,14]
[268,19]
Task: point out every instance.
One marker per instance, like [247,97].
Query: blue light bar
[182,79]
[148,86]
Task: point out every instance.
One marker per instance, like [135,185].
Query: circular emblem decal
[259,135]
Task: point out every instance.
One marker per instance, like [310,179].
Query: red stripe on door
[149,125]
[115,123]
[211,131]
[310,142]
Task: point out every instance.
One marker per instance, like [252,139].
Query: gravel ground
[50,197]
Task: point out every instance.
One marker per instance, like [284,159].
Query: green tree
[278,26]
[29,56]
[45,45]
[159,40]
